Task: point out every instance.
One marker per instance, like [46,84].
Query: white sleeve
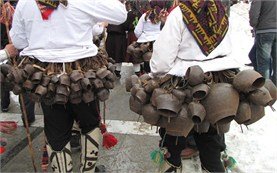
[166,47]
[111,11]
[17,31]
[97,29]
[3,55]
[139,27]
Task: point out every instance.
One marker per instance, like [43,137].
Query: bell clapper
[176,141]
[241,128]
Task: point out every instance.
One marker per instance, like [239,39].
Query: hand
[11,50]
[103,24]
[8,127]
[163,15]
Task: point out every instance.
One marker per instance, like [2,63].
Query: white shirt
[97,29]
[146,31]
[3,55]
[67,35]
[175,50]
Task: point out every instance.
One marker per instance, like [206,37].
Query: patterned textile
[207,21]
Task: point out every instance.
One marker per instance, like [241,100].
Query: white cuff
[3,55]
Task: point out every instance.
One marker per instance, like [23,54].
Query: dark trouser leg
[30,107]
[273,62]
[210,145]
[147,67]
[174,145]
[5,99]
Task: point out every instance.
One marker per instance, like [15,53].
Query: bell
[142,96]
[63,90]
[221,104]
[200,91]
[6,69]
[151,85]
[196,112]
[103,94]
[60,99]
[128,84]
[248,80]
[75,86]
[150,114]
[269,85]
[261,97]
[134,89]
[54,79]
[180,94]
[97,83]
[28,85]
[195,75]
[88,96]
[64,80]
[45,81]
[144,47]
[145,77]
[157,92]
[135,105]
[17,89]
[202,127]
[147,56]
[109,84]
[51,88]
[222,128]
[244,113]
[134,80]
[111,67]
[36,77]
[90,74]
[257,112]
[85,83]
[76,75]
[41,90]
[29,69]
[168,105]
[102,72]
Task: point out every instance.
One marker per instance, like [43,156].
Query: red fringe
[109,140]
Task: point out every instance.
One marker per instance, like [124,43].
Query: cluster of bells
[200,100]
[140,51]
[58,83]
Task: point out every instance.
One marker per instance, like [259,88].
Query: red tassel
[109,140]
[46,13]
[44,160]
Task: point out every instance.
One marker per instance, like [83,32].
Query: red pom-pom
[2,150]
[109,140]
[46,13]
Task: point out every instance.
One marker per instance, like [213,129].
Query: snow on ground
[255,149]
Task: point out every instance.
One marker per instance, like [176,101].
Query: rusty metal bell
[76,75]
[261,97]
[135,105]
[151,85]
[29,69]
[150,114]
[195,75]
[221,104]
[28,85]
[85,83]
[102,72]
[64,80]
[6,69]
[196,112]
[36,77]
[202,127]
[128,84]
[60,99]
[222,128]
[134,89]
[75,86]
[257,112]
[272,90]
[145,77]
[180,94]
[147,56]
[188,97]
[142,96]
[41,90]
[88,96]
[168,105]
[111,67]
[131,48]
[63,90]
[200,91]
[103,94]
[51,88]
[17,75]
[97,83]
[54,79]
[180,125]
[110,76]
[109,84]
[248,80]
[134,80]
[157,92]
[144,47]
[45,80]
[244,112]
[90,74]
[17,89]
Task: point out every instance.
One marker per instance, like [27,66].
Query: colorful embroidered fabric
[207,21]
